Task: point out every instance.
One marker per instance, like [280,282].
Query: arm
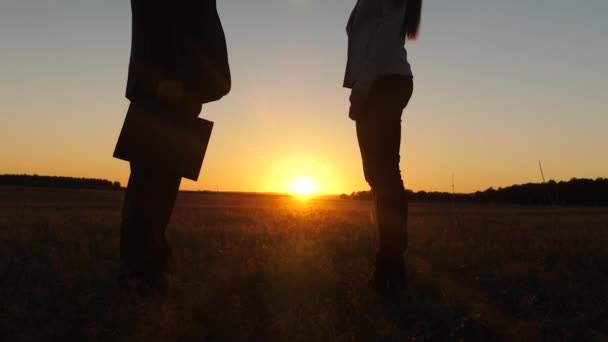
[155,43]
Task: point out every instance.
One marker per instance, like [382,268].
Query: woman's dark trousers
[379,137]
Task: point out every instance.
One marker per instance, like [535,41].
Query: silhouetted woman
[381,80]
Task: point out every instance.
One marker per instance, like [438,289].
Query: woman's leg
[379,136]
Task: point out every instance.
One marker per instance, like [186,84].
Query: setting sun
[304,187]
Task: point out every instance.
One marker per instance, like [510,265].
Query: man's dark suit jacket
[178,40]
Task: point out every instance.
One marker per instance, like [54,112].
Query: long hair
[411,22]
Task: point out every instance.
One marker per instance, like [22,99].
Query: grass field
[250,267]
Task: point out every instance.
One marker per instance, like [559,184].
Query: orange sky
[488,103]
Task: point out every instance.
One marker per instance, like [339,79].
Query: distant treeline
[573,192]
[57,182]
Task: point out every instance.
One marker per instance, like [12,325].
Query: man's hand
[171,91]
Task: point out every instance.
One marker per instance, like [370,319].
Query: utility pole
[550,196]
[542,174]
[453,194]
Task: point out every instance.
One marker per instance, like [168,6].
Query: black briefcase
[155,139]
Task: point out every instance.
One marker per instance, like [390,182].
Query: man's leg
[148,204]
[149,201]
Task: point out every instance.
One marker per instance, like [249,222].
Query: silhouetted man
[178,62]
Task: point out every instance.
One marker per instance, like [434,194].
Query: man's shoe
[389,278]
[151,286]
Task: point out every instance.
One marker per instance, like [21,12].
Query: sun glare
[304,187]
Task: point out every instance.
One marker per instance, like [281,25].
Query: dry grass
[275,268]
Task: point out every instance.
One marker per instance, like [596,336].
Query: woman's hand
[359,97]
